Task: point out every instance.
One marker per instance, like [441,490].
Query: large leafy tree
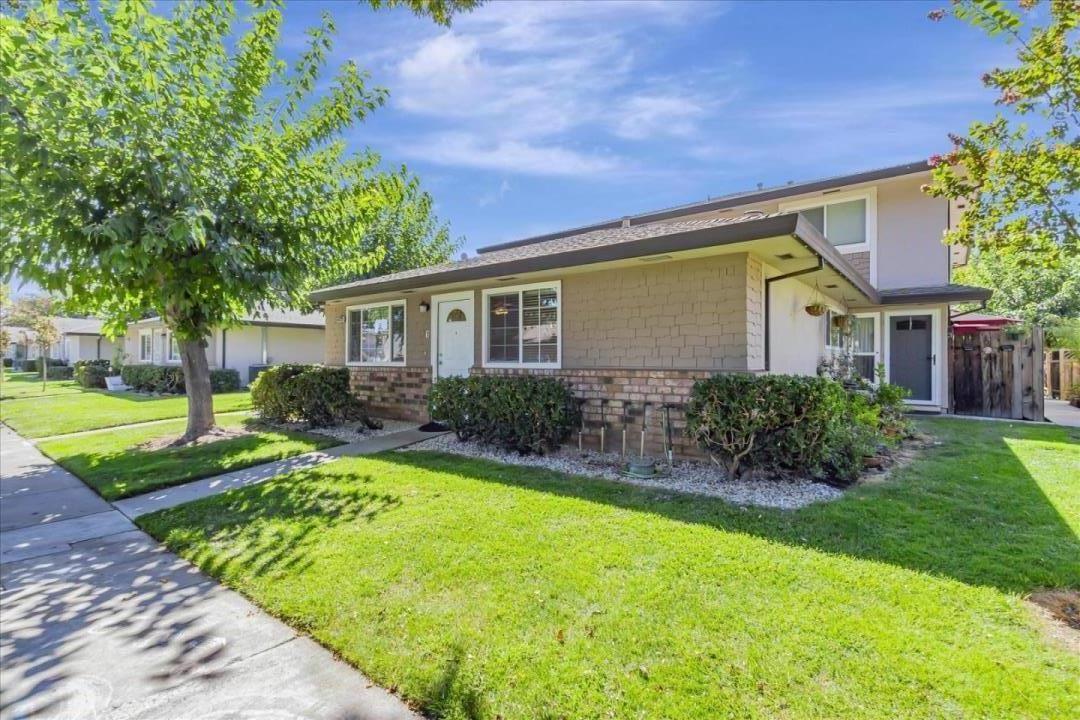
[1019,174]
[173,164]
[1032,292]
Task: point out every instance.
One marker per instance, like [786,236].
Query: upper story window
[375,334]
[847,220]
[521,326]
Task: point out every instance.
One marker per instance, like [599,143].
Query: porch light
[424,306]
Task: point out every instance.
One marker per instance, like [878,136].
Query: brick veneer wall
[393,392]
[626,392]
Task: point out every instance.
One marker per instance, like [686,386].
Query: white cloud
[494,196]
[506,155]
[646,116]
[521,77]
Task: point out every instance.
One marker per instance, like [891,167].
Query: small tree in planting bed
[172,163]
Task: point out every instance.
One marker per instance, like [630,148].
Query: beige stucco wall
[910,225]
[796,338]
[705,313]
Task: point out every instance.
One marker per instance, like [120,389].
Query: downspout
[768,303]
[99,348]
[223,365]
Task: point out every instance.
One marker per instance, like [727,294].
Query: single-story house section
[80,339]
[266,338]
[632,312]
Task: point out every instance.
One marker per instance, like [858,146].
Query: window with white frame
[864,352]
[375,334]
[847,220]
[172,348]
[146,346]
[521,325]
[834,330]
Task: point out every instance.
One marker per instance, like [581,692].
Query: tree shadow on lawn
[135,470]
[975,516]
[237,522]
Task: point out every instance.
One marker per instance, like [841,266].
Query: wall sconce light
[424,306]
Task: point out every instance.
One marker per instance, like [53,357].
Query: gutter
[768,297]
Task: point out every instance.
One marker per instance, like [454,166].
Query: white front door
[454,336]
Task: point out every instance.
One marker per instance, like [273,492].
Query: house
[632,311]
[264,338]
[80,339]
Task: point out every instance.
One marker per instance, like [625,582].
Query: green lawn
[68,412]
[110,462]
[26,385]
[482,590]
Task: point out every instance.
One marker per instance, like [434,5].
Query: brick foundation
[620,396]
[393,392]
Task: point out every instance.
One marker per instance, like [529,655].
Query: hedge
[92,373]
[8,362]
[35,365]
[313,394]
[526,413]
[785,425]
[154,378]
[224,380]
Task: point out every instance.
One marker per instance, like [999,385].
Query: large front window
[522,325]
[375,334]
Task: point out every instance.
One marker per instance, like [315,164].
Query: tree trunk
[200,416]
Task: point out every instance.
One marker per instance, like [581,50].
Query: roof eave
[675,242]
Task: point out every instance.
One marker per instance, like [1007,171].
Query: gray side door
[911,360]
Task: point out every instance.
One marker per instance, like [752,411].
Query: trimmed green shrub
[60,372]
[313,394]
[526,413]
[154,378]
[783,425]
[35,365]
[8,362]
[224,380]
[92,373]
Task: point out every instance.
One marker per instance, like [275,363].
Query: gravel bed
[353,432]
[686,476]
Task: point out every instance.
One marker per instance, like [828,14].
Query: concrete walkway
[97,620]
[1060,412]
[169,497]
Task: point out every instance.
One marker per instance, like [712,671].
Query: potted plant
[816,309]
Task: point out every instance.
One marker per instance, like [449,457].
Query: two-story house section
[634,310]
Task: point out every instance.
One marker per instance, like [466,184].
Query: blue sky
[531,117]
[526,117]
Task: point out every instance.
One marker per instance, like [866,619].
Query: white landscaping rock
[353,432]
[686,476]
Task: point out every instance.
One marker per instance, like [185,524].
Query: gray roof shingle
[605,245]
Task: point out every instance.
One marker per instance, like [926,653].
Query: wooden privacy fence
[998,373]
[1062,371]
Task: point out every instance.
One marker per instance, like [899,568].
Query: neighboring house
[967,323]
[80,339]
[262,339]
[633,311]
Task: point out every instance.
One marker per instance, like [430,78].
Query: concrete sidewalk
[98,620]
[1060,412]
